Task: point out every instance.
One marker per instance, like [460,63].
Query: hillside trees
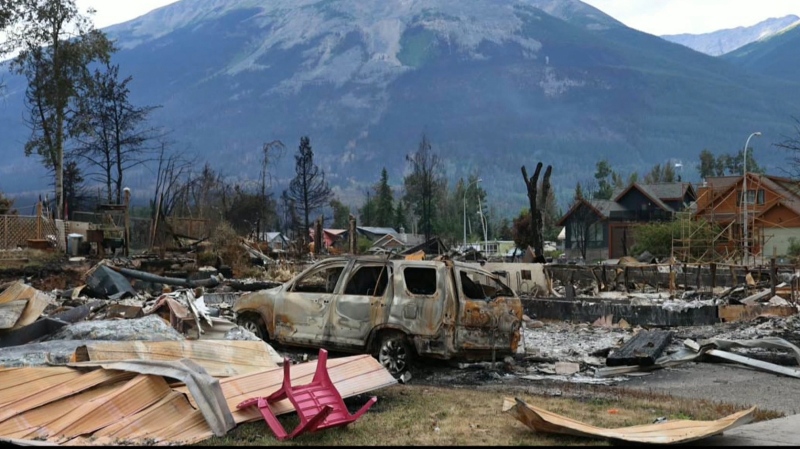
[308,189]
[660,174]
[727,164]
[424,185]
[109,129]
[56,44]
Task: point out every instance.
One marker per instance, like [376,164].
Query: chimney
[403,236]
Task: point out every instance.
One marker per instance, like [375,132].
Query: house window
[753,197]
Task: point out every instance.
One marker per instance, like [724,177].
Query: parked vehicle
[393,309]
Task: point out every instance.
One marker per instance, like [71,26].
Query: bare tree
[172,170]
[583,218]
[424,184]
[110,130]
[308,189]
[270,151]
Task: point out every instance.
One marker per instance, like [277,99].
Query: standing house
[607,225]
[773,209]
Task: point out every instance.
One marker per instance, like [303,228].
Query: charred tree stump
[537,222]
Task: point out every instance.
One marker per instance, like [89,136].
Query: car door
[489,314]
[302,314]
[362,304]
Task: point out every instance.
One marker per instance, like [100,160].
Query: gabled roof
[788,189]
[386,239]
[600,207]
[659,192]
[377,230]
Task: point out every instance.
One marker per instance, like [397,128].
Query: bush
[794,247]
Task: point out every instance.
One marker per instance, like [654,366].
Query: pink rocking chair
[318,403]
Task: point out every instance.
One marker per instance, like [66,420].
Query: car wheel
[254,324]
[395,354]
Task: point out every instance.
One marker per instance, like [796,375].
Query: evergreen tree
[341,214]
[424,185]
[308,189]
[384,215]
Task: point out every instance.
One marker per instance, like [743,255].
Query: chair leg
[364,409]
[312,424]
[322,366]
[286,384]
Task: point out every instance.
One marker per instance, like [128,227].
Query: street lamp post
[465,210]
[745,195]
[483,224]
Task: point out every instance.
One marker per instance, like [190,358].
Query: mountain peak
[725,41]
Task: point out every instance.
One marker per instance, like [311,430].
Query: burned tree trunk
[537,222]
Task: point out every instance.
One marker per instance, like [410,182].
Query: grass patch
[411,415]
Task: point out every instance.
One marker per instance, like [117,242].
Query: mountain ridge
[494,86]
[720,42]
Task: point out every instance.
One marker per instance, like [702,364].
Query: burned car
[393,309]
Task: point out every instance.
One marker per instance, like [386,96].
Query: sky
[651,16]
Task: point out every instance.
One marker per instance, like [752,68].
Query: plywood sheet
[36,302]
[220,358]
[670,432]
[733,313]
[10,313]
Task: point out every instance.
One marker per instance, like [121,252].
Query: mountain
[724,41]
[776,56]
[494,84]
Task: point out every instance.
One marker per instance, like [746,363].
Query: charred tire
[395,353]
[254,324]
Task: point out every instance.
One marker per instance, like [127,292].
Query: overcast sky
[652,16]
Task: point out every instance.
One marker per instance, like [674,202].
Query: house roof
[600,207]
[377,230]
[270,236]
[786,188]
[660,192]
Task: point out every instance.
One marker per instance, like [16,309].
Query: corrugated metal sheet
[27,422]
[145,410]
[66,389]
[140,392]
[220,358]
[29,382]
[669,432]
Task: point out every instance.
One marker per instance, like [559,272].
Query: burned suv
[392,309]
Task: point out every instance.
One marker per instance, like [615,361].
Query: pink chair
[318,403]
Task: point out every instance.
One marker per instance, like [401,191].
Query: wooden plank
[37,302]
[15,393]
[10,313]
[734,313]
[669,432]
[643,349]
[17,290]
